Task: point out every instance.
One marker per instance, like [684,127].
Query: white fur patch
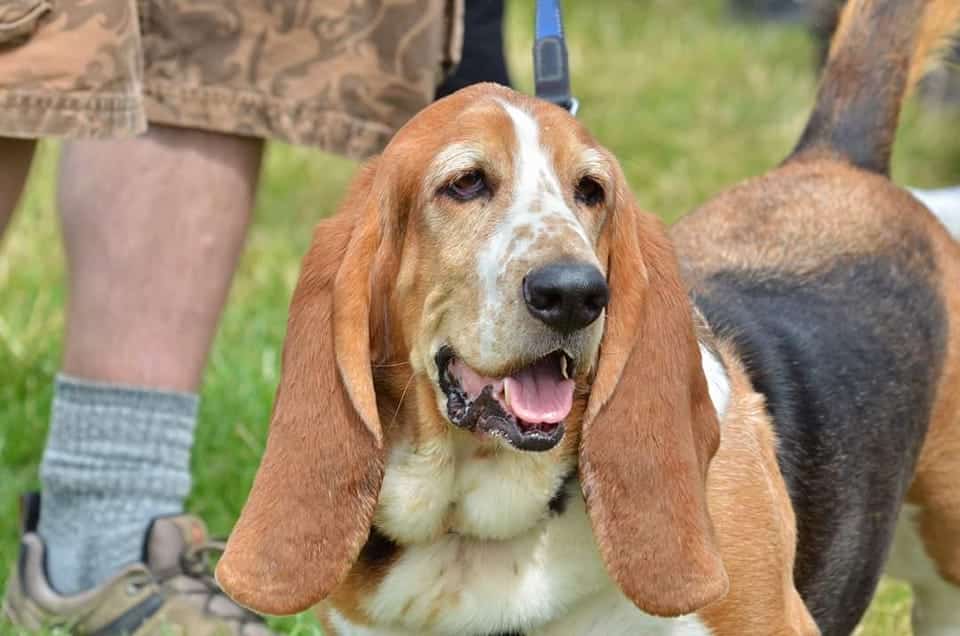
[936,603]
[504,495]
[459,585]
[718,384]
[537,211]
[945,205]
[417,490]
[442,486]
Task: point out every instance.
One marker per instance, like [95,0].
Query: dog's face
[500,288]
[490,272]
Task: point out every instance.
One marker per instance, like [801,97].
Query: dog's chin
[528,419]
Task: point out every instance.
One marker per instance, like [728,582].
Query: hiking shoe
[172,593]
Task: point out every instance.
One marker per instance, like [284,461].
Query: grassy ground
[689,101]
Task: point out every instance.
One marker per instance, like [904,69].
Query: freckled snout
[566,296]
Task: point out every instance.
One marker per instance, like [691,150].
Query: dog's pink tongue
[539,394]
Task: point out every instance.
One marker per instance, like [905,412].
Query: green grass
[689,101]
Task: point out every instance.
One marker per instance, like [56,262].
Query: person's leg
[153,228]
[16,155]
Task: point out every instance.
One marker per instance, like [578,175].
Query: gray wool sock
[116,457]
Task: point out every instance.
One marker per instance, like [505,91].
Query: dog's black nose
[566,296]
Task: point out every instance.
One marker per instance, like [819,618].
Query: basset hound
[500,412]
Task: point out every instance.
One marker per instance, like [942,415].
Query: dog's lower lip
[543,426]
[540,439]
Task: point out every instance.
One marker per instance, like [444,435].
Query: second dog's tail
[880,49]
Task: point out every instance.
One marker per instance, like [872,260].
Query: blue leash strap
[551,71]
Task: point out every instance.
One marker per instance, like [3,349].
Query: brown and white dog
[500,413]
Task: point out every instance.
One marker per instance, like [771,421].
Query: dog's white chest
[549,581]
[460,585]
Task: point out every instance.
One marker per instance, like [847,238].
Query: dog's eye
[467,186]
[589,191]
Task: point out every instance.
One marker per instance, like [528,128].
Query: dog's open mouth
[526,408]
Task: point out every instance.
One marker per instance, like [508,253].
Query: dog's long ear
[310,508]
[650,429]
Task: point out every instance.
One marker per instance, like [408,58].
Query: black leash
[551,71]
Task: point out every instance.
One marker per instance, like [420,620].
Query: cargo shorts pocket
[19,18]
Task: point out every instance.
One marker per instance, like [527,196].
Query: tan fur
[325,507]
[803,218]
[650,373]
[820,209]
[755,523]
[880,50]
[938,468]
[325,623]
[933,33]
[937,32]
[799,219]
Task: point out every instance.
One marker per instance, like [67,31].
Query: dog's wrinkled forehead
[531,162]
[538,203]
[539,224]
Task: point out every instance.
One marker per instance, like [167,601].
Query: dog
[838,294]
[510,405]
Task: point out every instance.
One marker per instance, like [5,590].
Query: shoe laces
[197,563]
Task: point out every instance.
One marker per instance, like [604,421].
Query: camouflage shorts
[339,74]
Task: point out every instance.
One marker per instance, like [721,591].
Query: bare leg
[153,228]
[16,155]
